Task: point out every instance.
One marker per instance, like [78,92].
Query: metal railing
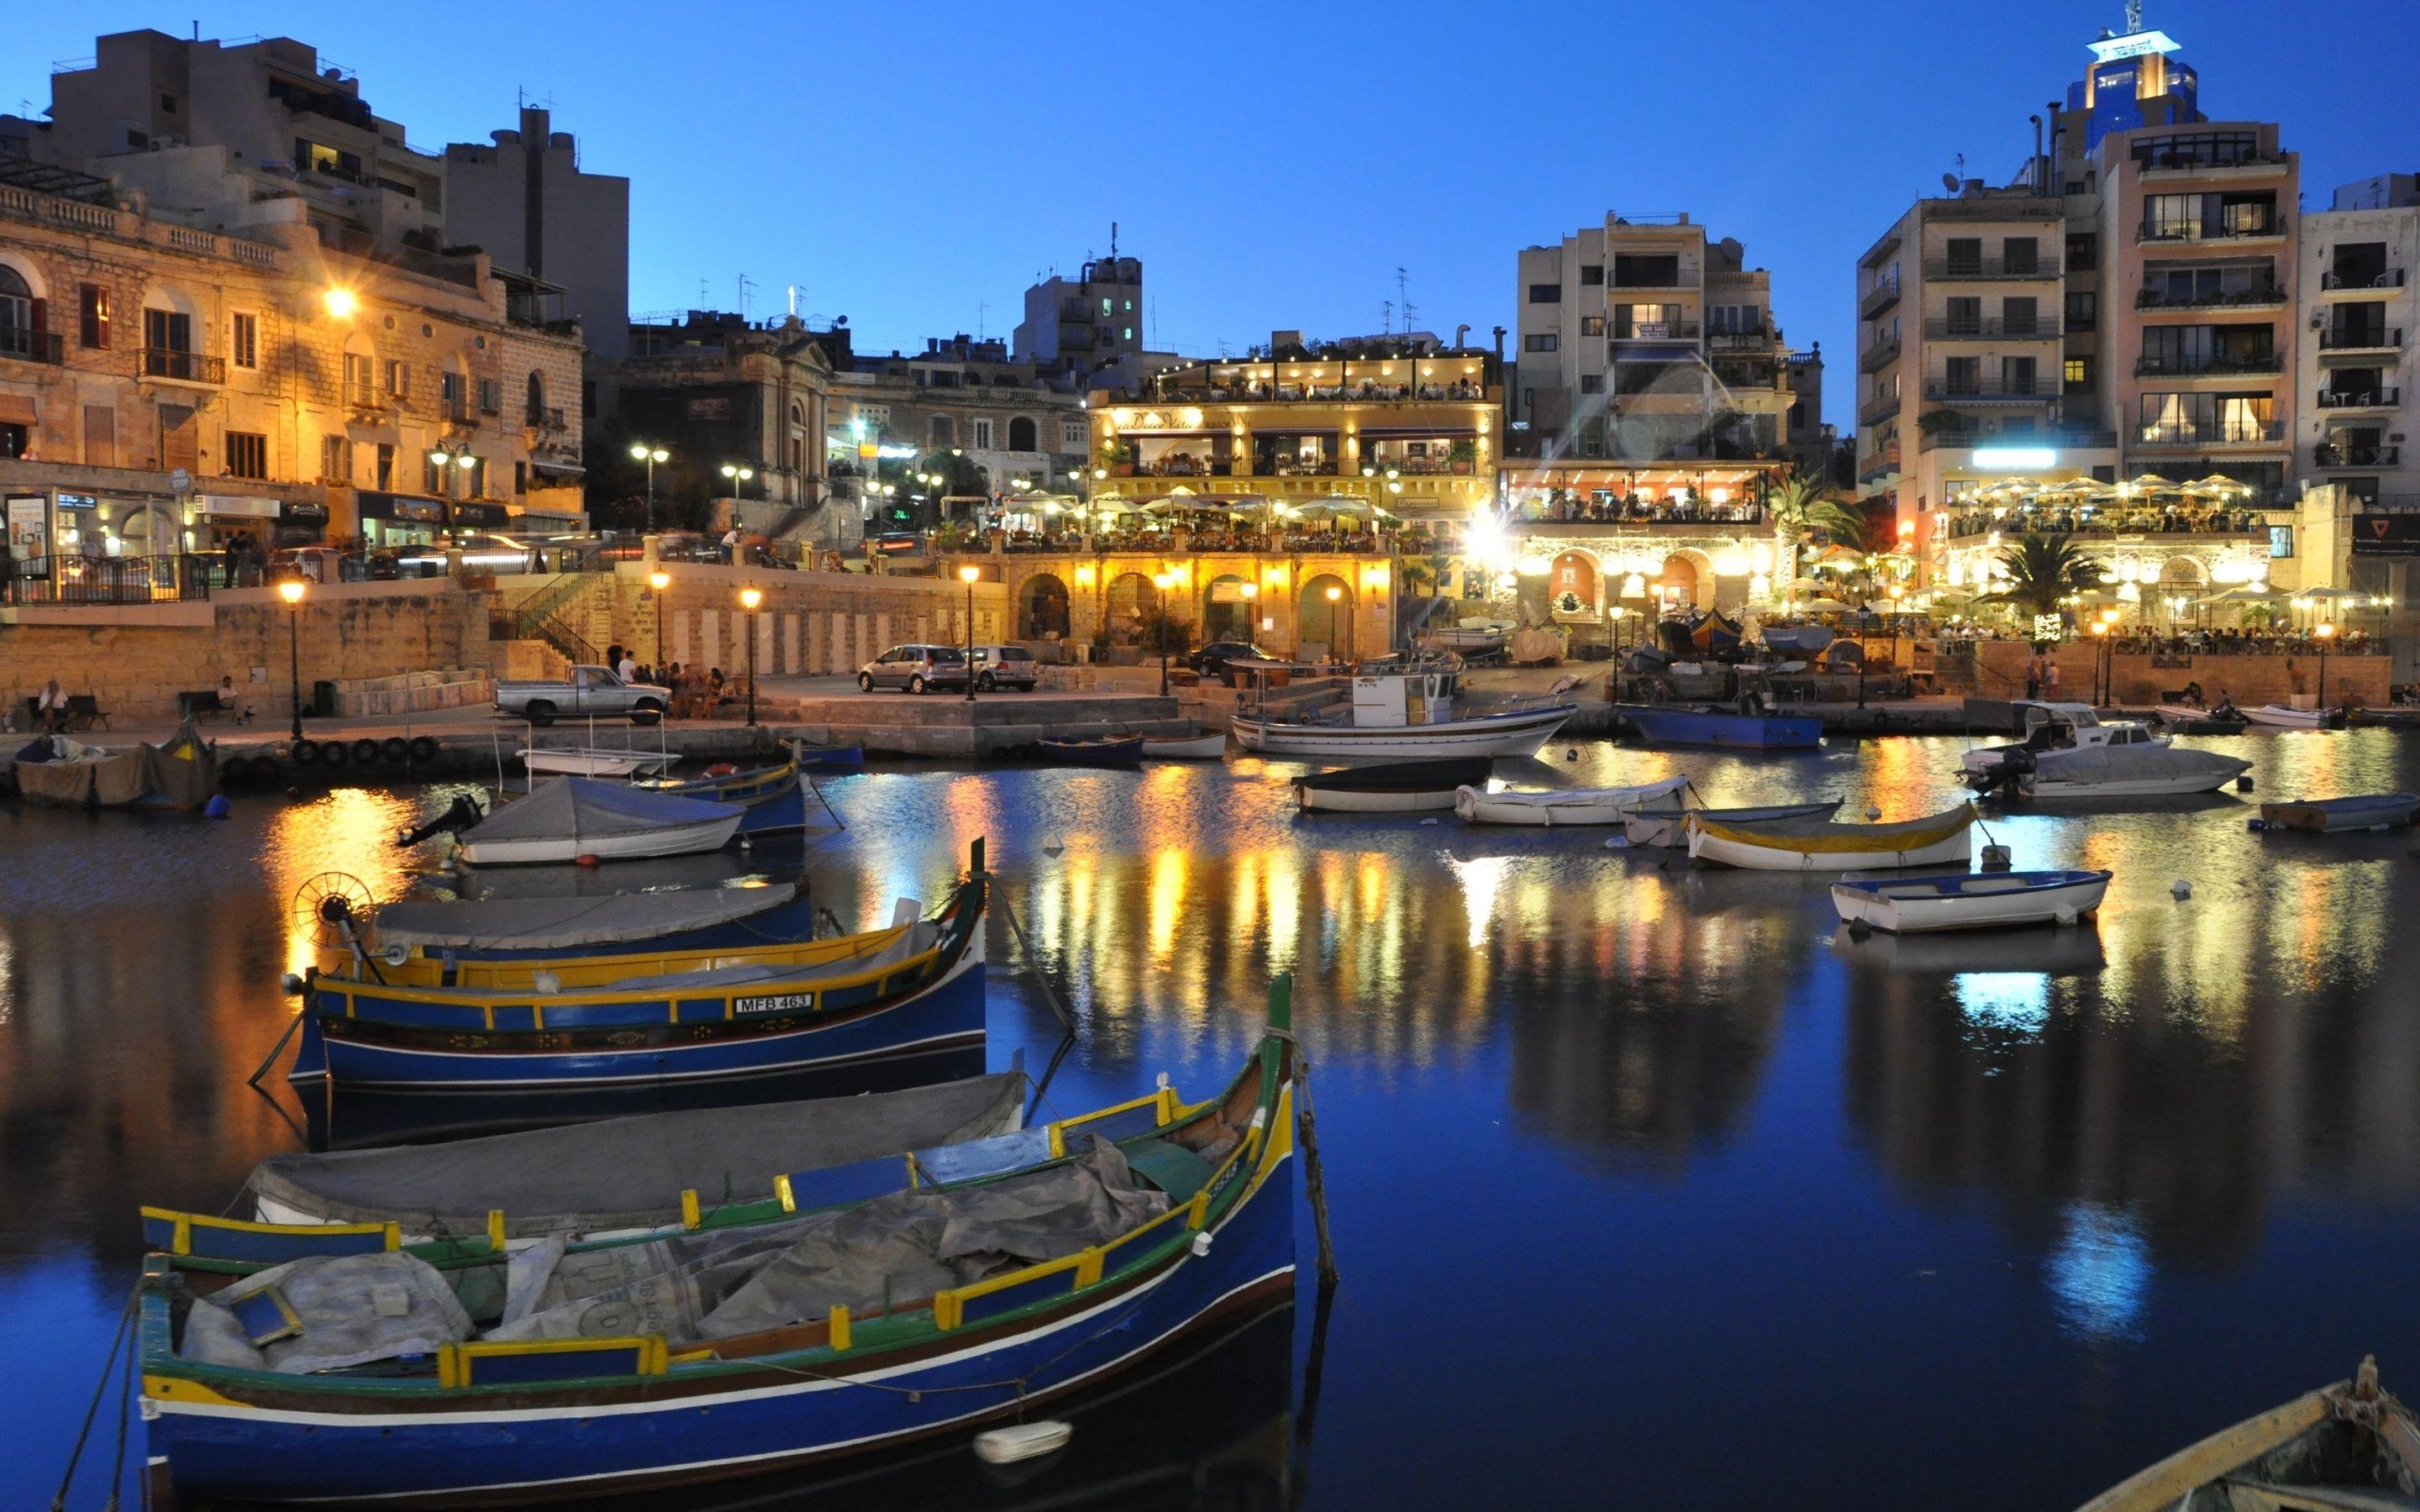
[2206,365]
[2044,269]
[2391,278]
[1987,388]
[544,418]
[2359,338]
[2150,297]
[2234,434]
[184,367]
[2195,233]
[1953,329]
[27,345]
[1880,355]
[2386,398]
[1881,296]
[78,580]
[1656,331]
[2328,455]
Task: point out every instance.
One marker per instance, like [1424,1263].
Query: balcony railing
[2392,278]
[456,411]
[1169,390]
[1754,340]
[2361,338]
[2069,440]
[182,367]
[1881,406]
[1656,331]
[2152,298]
[2328,455]
[2386,398]
[2044,269]
[1950,328]
[363,396]
[76,580]
[1880,355]
[1989,388]
[2241,434]
[26,345]
[1880,298]
[2182,519]
[2206,365]
[544,418]
[2249,231]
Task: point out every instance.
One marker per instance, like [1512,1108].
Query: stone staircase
[572,611]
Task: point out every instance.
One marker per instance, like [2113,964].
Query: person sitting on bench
[50,709]
[231,701]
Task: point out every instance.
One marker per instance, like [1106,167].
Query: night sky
[914,167]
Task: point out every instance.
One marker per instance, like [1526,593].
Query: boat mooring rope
[1314,1171]
[92,1408]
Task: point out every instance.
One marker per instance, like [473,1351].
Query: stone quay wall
[808,624]
[2134,680]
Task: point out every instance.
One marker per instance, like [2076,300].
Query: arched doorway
[1043,608]
[1324,618]
[1131,597]
[1571,583]
[1020,435]
[1226,613]
[1680,585]
[2182,582]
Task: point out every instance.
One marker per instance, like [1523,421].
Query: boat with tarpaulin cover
[1667,830]
[572,817]
[180,773]
[766,1335]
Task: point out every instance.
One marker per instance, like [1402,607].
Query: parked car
[1212,659]
[894,543]
[1006,666]
[312,564]
[915,668]
[589,690]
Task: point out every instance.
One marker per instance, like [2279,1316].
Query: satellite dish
[1949,182]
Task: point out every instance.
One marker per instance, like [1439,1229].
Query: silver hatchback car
[915,668]
[1006,666]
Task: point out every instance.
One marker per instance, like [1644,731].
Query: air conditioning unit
[2318,317]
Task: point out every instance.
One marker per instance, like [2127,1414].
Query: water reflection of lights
[1482,880]
[2101,1271]
[350,829]
[1166,903]
[2015,1002]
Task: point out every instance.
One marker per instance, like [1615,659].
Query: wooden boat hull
[1671,830]
[1989,899]
[1834,848]
[771,795]
[2349,1445]
[595,762]
[1127,753]
[1521,732]
[1583,807]
[1185,748]
[2280,716]
[1334,800]
[851,757]
[1743,732]
[2336,816]
[664,840]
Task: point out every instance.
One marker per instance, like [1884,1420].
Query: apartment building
[1075,326]
[1019,422]
[523,198]
[2123,310]
[2354,375]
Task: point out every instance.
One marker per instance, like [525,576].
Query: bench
[84,711]
[202,702]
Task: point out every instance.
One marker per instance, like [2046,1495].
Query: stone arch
[1226,613]
[1020,434]
[1573,572]
[1042,611]
[2184,571]
[1321,622]
[536,396]
[1686,582]
[1131,597]
[21,297]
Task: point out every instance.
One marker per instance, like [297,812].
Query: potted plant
[1463,455]
[1119,458]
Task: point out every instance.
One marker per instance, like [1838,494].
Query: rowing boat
[2286,716]
[768,1335]
[1670,829]
[589,760]
[1817,845]
[2331,816]
[1104,750]
[1968,900]
[1392,787]
[771,796]
[1567,806]
[1207,748]
[2349,1445]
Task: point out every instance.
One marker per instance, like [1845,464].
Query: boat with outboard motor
[2289,717]
[2056,727]
[569,818]
[330,1364]
[1409,708]
[2129,762]
[1968,900]
[1561,806]
[1821,846]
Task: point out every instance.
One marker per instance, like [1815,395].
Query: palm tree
[1801,506]
[2042,569]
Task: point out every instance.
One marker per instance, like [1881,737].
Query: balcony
[1883,462]
[2328,455]
[2173,520]
[2066,441]
[2269,433]
[25,344]
[1997,328]
[183,367]
[2362,339]
[1656,331]
[2208,364]
[2352,283]
[1755,340]
[1991,270]
[1075,313]
[1990,391]
[1880,298]
[456,409]
[2262,230]
[1878,355]
[1881,406]
[543,418]
[2150,298]
[2386,398]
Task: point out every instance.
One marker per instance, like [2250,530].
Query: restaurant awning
[409,508]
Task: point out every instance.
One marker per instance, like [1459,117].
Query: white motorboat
[572,817]
[1207,748]
[1409,711]
[1969,900]
[2057,727]
[1670,829]
[2286,716]
[1568,805]
[1390,787]
[2130,766]
[1473,638]
[590,760]
[1819,845]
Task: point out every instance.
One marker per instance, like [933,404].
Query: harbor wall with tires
[2137,679]
[135,660]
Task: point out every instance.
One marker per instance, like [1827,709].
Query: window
[16,314]
[243,340]
[2016,375]
[1966,255]
[359,389]
[1020,435]
[942,432]
[1965,316]
[92,317]
[2021,316]
[472,471]
[2020,255]
[2206,149]
[1591,325]
[1591,274]
[1543,341]
[983,434]
[1109,306]
[534,398]
[491,396]
[2171,217]
[1963,375]
[385,465]
[2075,375]
[2082,252]
[1591,383]
[1071,433]
[2171,419]
[398,379]
[1545,294]
[336,460]
[1642,271]
[1128,332]
[247,454]
[2083,310]
[2186,284]
[433,477]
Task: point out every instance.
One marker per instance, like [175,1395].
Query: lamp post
[2326,632]
[291,591]
[1163,582]
[2099,659]
[660,580]
[968,575]
[749,599]
[642,452]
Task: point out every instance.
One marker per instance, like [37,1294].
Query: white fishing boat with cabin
[1411,709]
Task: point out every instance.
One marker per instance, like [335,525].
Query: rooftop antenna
[702,297]
[744,281]
[1113,239]
[1387,317]
[2133,17]
[982,307]
[1403,298]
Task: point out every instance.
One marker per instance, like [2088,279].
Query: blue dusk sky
[913,166]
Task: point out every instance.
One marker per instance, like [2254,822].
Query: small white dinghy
[1207,748]
[1969,900]
[1568,805]
[2286,716]
[574,760]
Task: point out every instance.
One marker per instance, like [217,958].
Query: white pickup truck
[591,690]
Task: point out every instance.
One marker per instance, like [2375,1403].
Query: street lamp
[738,475]
[660,580]
[464,461]
[291,591]
[749,599]
[2326,632]
[642,452]
[2099,663]
[1163,582]
[968,575]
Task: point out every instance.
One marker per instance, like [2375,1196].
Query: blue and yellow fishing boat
[774,795]
[413,1015]
[333,1364]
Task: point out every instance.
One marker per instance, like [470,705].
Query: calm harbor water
[1649,1188]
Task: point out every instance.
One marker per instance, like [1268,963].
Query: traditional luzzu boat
[772,795]
[1667,726]
[1099,751]
[402,1016]
[2349,1445]
[333,1362]
[1819,845]
[1568,805]
[572,817]
[1968,900]
[1669,830]
[1408,711]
